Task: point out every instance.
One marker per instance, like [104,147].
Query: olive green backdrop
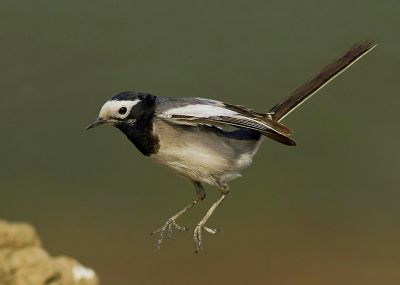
[324,212]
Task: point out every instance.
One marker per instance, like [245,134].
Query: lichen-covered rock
[17,235]
[71,272]
[24,262]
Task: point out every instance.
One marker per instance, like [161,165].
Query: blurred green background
[325,212]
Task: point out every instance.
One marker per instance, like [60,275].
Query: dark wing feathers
[264,118]
[243,119]
[270,132]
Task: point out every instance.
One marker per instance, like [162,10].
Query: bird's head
[123,109]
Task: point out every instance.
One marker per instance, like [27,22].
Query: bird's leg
[200,226]
[170,225]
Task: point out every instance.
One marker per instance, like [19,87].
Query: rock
[24,262]
[17,235]
[71,272]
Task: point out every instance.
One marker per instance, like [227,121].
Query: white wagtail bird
[204,140]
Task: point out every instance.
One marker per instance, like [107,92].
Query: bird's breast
[193,153]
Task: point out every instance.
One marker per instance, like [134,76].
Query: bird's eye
[122,110]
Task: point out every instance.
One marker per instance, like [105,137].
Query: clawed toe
[210,230]
[170,226]
[198,242]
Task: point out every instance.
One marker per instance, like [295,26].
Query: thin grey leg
[200,226]
[170,225]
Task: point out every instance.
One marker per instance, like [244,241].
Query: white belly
[199,156]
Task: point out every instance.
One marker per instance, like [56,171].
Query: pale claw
[198,242]
[172,226]
[210,230]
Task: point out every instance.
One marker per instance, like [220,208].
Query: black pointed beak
[95,123]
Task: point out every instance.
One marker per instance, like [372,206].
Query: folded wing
[217,113]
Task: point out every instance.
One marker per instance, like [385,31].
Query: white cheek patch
[200,111]
[110,108]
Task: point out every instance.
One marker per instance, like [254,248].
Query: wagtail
[205,140]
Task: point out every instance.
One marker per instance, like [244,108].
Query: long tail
[328,73]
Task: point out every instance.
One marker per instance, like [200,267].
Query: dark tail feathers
[322,78]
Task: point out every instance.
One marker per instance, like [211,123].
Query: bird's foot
[198,242]
[169,227]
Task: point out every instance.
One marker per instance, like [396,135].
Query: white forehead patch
[110,108]
[200,110]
